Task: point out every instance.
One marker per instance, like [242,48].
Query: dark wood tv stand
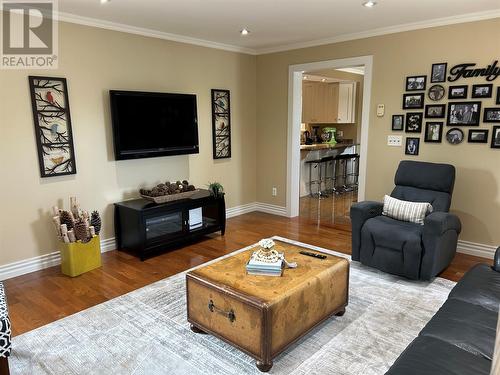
[145,227]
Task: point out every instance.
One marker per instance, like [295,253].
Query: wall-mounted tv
[150,124]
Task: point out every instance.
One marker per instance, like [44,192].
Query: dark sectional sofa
[460,338]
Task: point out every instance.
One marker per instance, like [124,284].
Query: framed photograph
[482,91]
[435,111]
[464,113]
[54,136]
[478,136]
[498,95]
[398,122]
[495,139]
[455,136]
[413,101]
[414,122]
[438,73]
[458,92]
[433,132]
[416,83]
[436,93]
[491,115]
[221,124]
[412,146]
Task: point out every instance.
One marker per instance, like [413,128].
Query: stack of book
[262,268]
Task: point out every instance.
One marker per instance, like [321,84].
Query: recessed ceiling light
[369,3]
[105,1]
[244,32]
[305,77]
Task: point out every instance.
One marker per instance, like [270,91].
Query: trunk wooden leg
[340,313]
[197,330]
[4,366]
[264,367]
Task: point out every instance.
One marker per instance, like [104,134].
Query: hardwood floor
[44,296]
[332,211]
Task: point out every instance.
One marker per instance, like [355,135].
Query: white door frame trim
[295,118]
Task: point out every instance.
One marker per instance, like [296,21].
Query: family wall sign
[491,72]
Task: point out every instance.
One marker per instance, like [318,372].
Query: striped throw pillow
[413,212]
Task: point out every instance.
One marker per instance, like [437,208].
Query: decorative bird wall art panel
[221,123]
[54,138]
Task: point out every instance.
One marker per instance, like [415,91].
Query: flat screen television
[150,124]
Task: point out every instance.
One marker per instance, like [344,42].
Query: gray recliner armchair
[403,248]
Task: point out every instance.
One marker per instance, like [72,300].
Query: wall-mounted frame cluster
[458,112]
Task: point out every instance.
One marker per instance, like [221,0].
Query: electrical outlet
[275,192]
[394,140]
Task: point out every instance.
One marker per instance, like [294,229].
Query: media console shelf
[145,227]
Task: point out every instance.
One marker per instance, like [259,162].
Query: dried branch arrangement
[75,224]
[168,188]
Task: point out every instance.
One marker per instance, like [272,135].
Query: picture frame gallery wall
[442,106]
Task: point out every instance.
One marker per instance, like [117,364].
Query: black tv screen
[148,124]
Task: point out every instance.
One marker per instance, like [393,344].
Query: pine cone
[95,221]
[81,231]
[67,218]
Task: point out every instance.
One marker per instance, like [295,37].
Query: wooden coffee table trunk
[263,315]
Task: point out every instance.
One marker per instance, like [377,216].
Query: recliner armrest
[363,211]
[360,213]
[496,260]
[439,237]
[437,223]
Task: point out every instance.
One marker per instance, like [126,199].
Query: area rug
[145,332]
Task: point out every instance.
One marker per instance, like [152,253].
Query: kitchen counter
[325,146]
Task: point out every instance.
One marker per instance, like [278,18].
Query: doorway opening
[328,120]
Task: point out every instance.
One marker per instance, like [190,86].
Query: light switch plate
[395,140]
[380,110]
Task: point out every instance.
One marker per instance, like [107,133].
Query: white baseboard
[256,206]
[271,209]
[240,210]
[476,249]
[38,263]
[52,259]
[41,262]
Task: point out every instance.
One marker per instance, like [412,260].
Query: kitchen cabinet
[328,103]
[347,103]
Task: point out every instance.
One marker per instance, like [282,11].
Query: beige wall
[94,61]
[476,199]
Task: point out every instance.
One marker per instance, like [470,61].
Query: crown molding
[114,26]
[463,18]
[108,25]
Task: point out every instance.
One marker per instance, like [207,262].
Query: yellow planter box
[78,257]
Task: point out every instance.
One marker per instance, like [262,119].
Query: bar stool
[342,158]
[329,164]
[348,159]
[354,174]
[316,164]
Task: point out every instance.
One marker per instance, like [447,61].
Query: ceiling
[274,24]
